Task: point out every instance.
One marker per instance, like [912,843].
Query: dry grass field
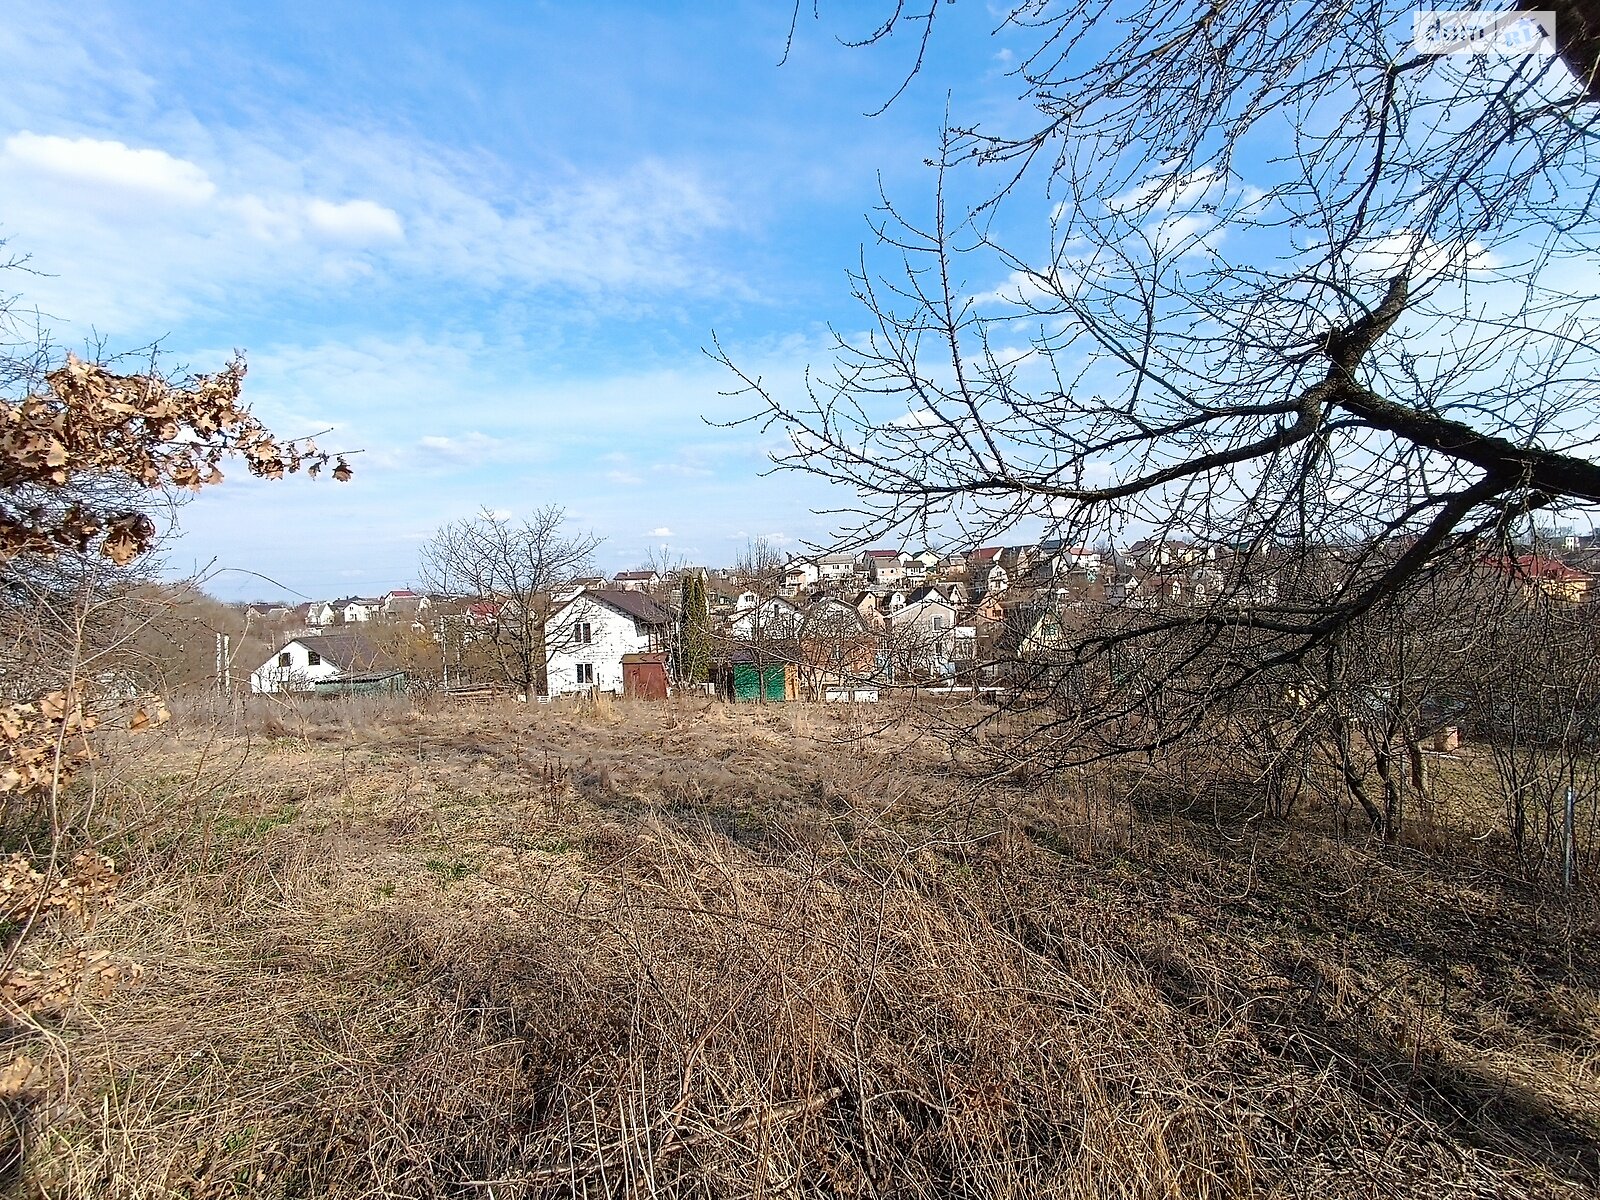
[361,949]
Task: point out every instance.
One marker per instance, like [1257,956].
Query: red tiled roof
[1536,566]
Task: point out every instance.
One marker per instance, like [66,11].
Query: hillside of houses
[829,624]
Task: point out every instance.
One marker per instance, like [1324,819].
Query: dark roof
[348,651]
[636,575]
[637,605]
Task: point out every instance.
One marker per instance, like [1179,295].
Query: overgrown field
[693,950]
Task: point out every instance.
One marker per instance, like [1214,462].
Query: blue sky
[483,243]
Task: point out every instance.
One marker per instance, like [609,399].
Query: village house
[922,635]
[837,647]
[300,662]
[800,574]
[833,569]
[994,579]
[360,609]
[636,581]
[486,614]
[404,604]
[883,566]
[772,619]
[586,638]
[868,608]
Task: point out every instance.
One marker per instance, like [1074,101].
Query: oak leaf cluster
[88,421]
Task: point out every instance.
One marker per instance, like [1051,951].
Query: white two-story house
[586,638]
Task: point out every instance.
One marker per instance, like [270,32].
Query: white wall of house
[925,631]
[834,567]
[292,669]
[800,574]
[611,635]
[776,618]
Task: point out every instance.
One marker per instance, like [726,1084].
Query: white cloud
[355,222]
[132,240]
[623,478]
[466,448]
[1168,191]
[663,531]
[1185,234]
[921,418]
[1027,289]
[108,164]
[1385,256]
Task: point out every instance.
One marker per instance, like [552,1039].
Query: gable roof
[895,554]
[637,605]
[347,651]
[832,604]
[986,553]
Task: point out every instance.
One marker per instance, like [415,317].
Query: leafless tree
[760,566]
[835,648]
[1254,277]
[513,569]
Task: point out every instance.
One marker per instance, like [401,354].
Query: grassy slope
[692,950]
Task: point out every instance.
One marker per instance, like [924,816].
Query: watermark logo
[1475,31]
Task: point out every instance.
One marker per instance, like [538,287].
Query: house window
[313,659]
[585,674]
[938,624]
[583,634]
[286,659]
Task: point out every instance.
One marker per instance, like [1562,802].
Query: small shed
[744,678]
[363,684]
[644,675]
